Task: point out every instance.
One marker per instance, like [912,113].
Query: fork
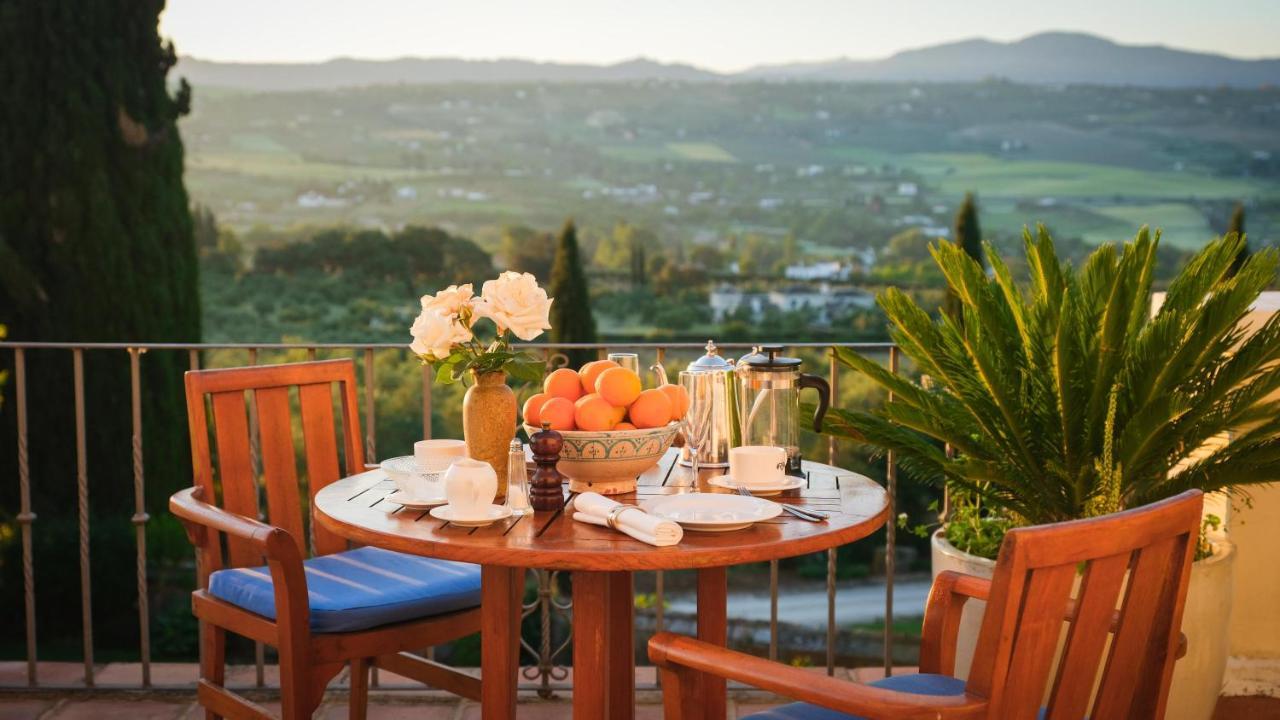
[802,513]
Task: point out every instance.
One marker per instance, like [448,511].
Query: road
[855,603]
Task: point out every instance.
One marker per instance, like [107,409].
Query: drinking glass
[695,423]
[630,361]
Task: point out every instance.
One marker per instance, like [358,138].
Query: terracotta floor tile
[395,711]
[22,709]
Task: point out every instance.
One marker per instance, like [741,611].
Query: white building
[820,301]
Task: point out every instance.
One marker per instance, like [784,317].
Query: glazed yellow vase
[489,423]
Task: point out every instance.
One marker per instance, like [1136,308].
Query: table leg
[622,653]
[603,649]
[713,592]
[501,592]
[590,645]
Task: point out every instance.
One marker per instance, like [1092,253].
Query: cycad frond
[1068,397]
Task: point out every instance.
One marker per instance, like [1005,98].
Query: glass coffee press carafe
[769,386]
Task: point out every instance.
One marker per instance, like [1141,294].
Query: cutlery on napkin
[596,509]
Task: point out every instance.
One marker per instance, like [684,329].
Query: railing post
[255,462]
[82,492]
[140,516]
[891,538]
[833,379]
[773,609]
[370,454]
[25,516]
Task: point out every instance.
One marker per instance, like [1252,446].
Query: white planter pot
[1206,621]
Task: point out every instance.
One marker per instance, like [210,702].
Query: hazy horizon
[719,35]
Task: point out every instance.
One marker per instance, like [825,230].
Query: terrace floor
[395,699]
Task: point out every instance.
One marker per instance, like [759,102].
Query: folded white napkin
[594,508]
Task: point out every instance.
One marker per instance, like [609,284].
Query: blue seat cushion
[922,684]
[359,589]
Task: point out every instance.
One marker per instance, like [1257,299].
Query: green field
[956,173]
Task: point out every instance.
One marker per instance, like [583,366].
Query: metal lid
[711,361]
[768,358]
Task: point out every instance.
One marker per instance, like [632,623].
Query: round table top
[363,508]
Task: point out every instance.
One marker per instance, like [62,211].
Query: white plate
[418,503]
[787,482]
[713,512]
[491,514]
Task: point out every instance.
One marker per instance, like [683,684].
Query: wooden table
[363,508]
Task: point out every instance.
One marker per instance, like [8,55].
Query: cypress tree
[968,235]
[96,245]
[571,320]
[1236,225]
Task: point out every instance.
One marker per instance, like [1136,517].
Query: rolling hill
[1046,58]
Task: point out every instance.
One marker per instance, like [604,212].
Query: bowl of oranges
[614,429]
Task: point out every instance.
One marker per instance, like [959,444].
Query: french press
[769,386]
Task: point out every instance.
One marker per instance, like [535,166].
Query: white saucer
[491,514]
[403,498]
[785,483]
[713,512]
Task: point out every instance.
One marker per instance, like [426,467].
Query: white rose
[435,334]
[515,302]
[451,301]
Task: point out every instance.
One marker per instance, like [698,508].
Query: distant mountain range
[1052,57]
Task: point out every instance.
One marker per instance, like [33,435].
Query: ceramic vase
[489,423]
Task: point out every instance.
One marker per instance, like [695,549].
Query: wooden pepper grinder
[546,487]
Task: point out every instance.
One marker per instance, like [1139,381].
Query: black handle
[824,397]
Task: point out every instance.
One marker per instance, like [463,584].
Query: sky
[723,35]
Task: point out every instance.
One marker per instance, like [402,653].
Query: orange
[591,371]
[531,408]
[624,426]
[652,409]
[592,412]
[679,398]
[619,386]
[558,412]
[619,414]
[563,383]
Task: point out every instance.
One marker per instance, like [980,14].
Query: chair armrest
[677,654]
[951,590]
[199,515]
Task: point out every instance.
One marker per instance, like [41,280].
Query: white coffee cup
[757,465]
[435,456]
[470,486]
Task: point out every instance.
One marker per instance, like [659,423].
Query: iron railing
[542,672]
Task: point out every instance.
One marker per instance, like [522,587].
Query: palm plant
[1069,398]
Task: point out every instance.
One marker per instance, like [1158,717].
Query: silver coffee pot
[711,393]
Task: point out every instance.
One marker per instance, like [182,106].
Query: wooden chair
[271,604]
[1138,560]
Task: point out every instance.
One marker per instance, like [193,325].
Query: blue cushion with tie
[922,684]
[359,589]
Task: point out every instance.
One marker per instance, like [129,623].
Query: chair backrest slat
[1143,555]
[235,468]
[279,464]
[321,452]
[1043,607]
[1087,637]
[270,387]
[1132,651]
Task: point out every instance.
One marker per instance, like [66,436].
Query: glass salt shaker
[517,480]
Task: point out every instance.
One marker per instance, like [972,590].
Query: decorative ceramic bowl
[609,461]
